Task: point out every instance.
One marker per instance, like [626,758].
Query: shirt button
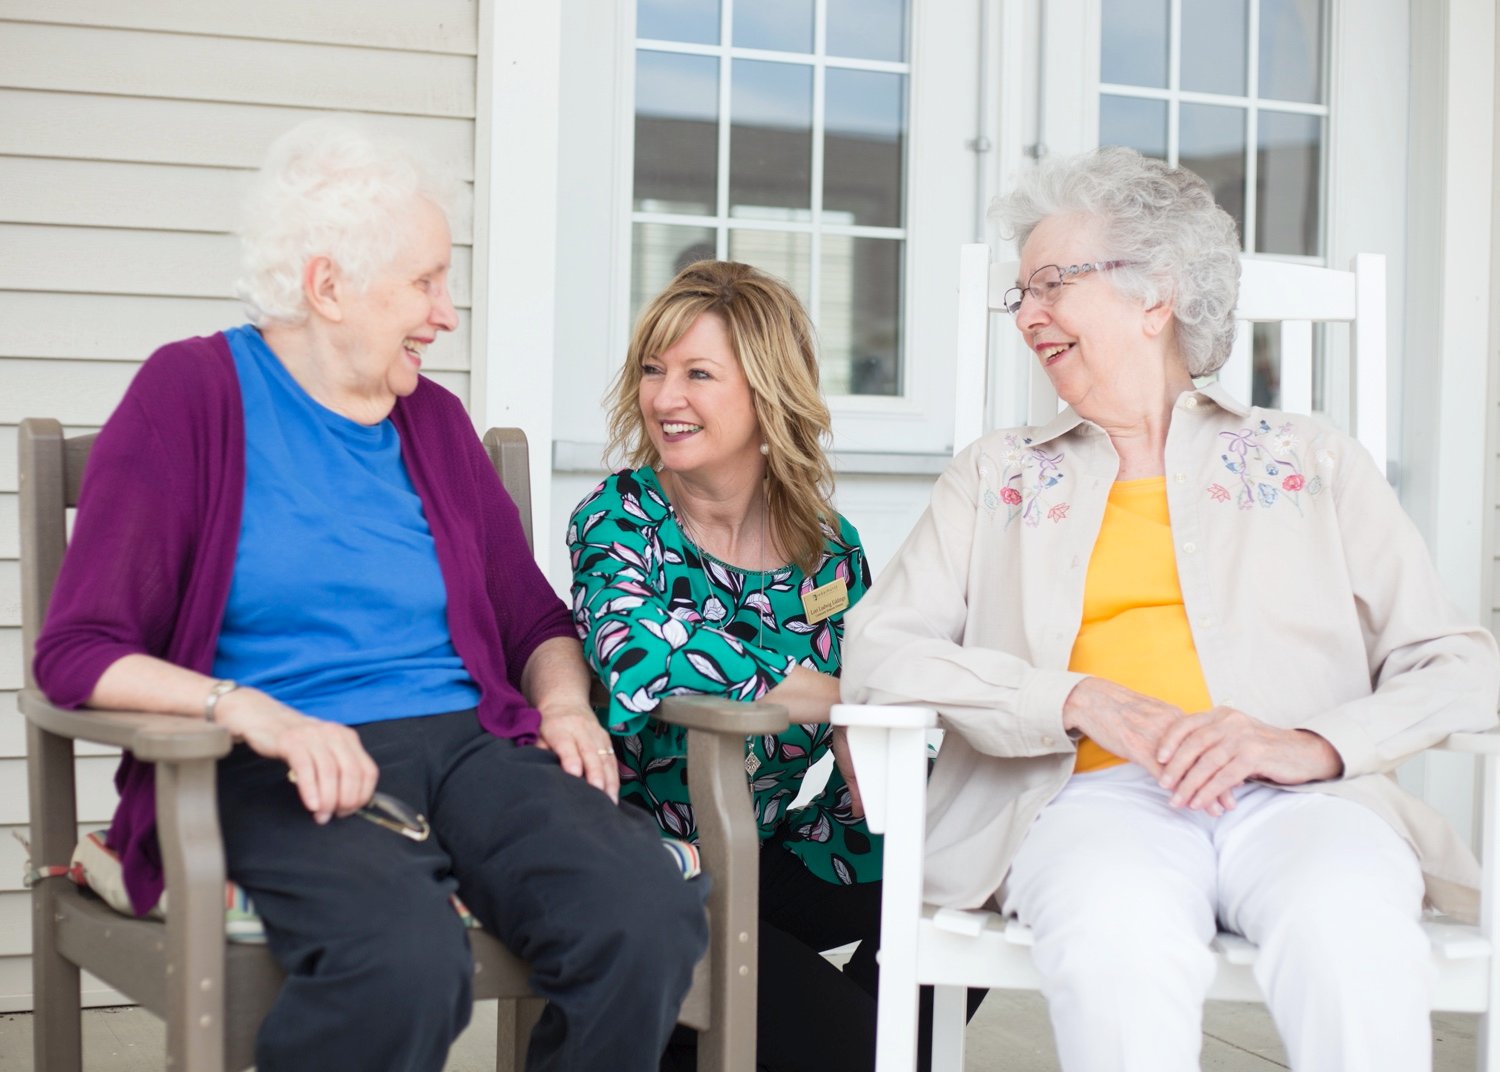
[1048,741]
[1180,478]
[1189,547]
[1206,622]
[1190,401]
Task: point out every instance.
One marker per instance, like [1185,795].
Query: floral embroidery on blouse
[1266,467]
[1026,487]
[658,618]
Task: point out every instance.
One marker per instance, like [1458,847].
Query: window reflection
[658,251]
[1291,50]
[1214,38]
[864,146]
[676,132]
[786,255]
[784,25]
[1135,123]
[696,21]
[867,29]
[1134,42]
[858,325]
[1211,143]
[770,139]
[1289,165]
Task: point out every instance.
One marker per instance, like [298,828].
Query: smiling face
[698,408]
[1095,344]
[389,325]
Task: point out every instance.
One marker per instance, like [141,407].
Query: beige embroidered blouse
[1312,600]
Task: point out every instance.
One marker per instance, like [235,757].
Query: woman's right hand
[1127,724]
[333,772]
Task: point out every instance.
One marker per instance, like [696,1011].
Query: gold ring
[605,751]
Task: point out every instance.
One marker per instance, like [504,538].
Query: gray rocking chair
[213,994]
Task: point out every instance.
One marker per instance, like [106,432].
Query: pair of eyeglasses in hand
[391,813]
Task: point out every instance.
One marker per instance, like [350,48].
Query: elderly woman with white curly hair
[287,530]
[1179,644]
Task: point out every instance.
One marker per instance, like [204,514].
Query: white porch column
[515,233]
[1445,401]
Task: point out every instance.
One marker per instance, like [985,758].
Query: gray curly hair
[1163,221]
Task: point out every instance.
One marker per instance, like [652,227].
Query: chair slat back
[51,474]
[509,455]
[1349,387]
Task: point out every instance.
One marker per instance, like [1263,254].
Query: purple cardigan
[153,549]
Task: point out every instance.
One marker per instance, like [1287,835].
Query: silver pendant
[752,763]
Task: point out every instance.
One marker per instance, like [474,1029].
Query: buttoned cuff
[1040,706]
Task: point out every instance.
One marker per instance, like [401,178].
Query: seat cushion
[97,867]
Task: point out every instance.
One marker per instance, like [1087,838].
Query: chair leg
[515,1018]
[949,1019]
[57,1024]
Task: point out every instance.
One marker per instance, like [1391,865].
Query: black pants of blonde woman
[377,962]
[812,1017]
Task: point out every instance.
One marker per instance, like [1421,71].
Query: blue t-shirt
[337,607]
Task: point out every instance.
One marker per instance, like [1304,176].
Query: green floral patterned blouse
[658,619]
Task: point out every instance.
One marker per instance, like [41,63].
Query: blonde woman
[717,565]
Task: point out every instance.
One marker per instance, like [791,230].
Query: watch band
[217,692]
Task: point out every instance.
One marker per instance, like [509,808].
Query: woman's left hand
[583,746]
[1205,756]
[845,763]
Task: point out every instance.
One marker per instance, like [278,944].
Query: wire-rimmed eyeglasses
[1046,283]
[391,813]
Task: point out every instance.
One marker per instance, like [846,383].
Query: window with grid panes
[1234,90]
[774,132]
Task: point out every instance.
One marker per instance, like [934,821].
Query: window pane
[786,25]
[1289,165]
[770,140]
[1211,142]
[1291,50]
[863,146]
[1214,39]
[658,251]
[678,20]
[867,29]
[1133,43]
[1265,366]
[859,324]
[1138,124]
[676,132]
[784,254]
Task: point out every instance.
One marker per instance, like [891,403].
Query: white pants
[1124,893]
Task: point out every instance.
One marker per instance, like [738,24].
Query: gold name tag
[829,599]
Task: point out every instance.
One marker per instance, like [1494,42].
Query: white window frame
[871,433]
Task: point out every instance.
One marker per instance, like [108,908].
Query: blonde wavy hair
[774,343]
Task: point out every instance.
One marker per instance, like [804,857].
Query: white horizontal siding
[89,260]
[432,26]
[235,70]
[77,126]
[127,132]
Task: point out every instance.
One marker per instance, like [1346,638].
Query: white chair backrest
[1297,297]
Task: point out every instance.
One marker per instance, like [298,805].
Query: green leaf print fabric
[658,619]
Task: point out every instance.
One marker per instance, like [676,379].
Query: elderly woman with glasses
[1179,644]
[284,528]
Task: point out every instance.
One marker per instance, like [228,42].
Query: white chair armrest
[888,717]
[1478,744]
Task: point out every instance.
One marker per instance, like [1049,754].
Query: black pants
[377,961]
[810,1016]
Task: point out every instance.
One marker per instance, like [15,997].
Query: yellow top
[1135,628]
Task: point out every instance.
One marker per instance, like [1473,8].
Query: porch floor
[1010,1031]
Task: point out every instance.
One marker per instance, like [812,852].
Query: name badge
[829,599]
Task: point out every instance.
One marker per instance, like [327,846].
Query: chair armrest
[733,718]
[885,717]
[152,737]
[1477,744]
